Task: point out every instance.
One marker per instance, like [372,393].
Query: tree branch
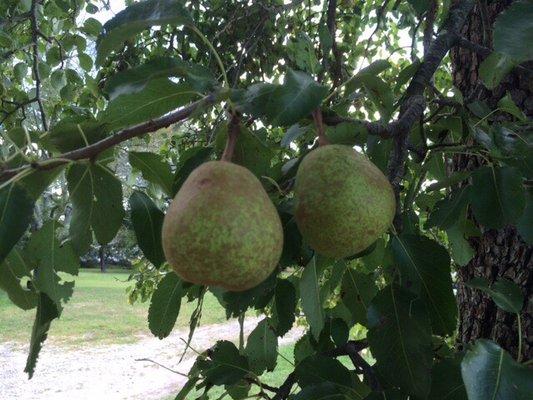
[35,48]
[94,149]
[331,22]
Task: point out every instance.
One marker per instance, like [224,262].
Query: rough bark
[499,253]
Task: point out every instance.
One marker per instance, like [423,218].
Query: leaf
[293,133]
[451,180]
[136,18]
[321,391]
[340,332]
[284,306]
[157,98]
[286,104]
[12,270]
[96,196]
[461,250]
[505,293]
[226,366]
[425,268]
[400,339]
[153,168]
[318,369]
[494,68]
[357,292]
[507,104]
[262,348]
[489,372]
[349,133]
[189,161]
[448,210]
[446,380]
[250,151]
[311,300]
[135,79]
[497,196]
[46,312]
[147,220]
[86,62]
[16,210]
[74,133]
[513,31]
[165,305]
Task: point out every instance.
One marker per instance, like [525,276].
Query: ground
[92,350]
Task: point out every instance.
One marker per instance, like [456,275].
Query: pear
[221,229]
[343,202]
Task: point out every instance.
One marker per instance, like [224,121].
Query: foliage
[84,158]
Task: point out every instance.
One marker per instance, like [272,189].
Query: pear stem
[234,129]
[321,133]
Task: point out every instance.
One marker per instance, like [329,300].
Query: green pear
[222,229]
[343,202]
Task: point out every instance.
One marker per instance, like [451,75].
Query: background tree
[82,117]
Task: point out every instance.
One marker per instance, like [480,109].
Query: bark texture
[499,253]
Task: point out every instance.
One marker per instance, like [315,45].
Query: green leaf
[340,332]
[135,79]
[446,380]
[189,161]
[448,181]
[505,293]
[513,31]
[12,270]
[16,210]
[250,151]
[461,250]
[136,18]
[293,133]
[311,300]
[92,27]
[400,340]
[262,348]
[86,62]
[357,292]
[226,366]
[489,372]
[448,210]
[157,98]
[497,196]
[96,196]
[349,133]
[20,71]
[507,104]
[153,168]
[74,133]
[425,268]
[46,312]
[165,305]
[147,220]
[286,104]
[318,368]
[284,306]
[321,391]
[494,68]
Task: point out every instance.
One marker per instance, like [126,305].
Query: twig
[336,71]
[162,366]
[234,129]
[285,389]
[94,149]
[317,117]
[36,73]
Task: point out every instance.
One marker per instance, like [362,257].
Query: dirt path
[111,372]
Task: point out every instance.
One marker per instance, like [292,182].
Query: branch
[447,38]
[35,48]
[91,151]
[234,129]
[336,71]
[386,131]
[430,22]
[285,389]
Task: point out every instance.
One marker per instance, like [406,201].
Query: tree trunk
[499,253]
[101,254]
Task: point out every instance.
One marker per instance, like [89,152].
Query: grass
[97,313]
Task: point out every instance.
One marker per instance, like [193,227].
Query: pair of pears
[222,229]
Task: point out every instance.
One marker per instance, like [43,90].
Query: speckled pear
[222,229]
[343,202]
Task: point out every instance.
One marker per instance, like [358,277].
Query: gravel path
[111,372]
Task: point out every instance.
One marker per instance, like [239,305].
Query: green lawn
[98,313]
